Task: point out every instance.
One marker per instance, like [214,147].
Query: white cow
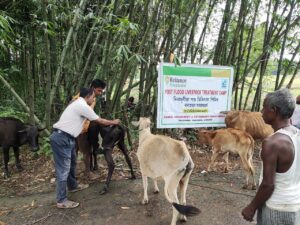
[161,156]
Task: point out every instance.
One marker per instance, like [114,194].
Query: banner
[193,95]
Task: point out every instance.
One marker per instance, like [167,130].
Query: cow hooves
[145,201]
[19,168]
[6,175]
[156,191]
[245,186]
[95,168]
[104,191]
[250,187]
[183,219]
[100,151]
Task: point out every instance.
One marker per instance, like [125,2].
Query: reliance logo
[175,82]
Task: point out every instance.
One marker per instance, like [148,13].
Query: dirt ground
[29,197]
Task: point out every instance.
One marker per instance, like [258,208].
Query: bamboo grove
[51,48]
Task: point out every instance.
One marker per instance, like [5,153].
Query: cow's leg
[145,186]
[93,139]
[90,158]
[213,158]
[182,190]
[251,167]
[6,160]
[84,147]
[123,148]
[171,184]
[225,157]
[247,168]
[93,154]
[18,164]
[94,157]
[156,189]
[183,184]
[111,167]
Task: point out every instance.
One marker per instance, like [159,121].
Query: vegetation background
[51,48]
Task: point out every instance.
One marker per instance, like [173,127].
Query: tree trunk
[48,71]
[283,46]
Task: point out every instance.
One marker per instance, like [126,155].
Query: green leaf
[123,50]
[177,61]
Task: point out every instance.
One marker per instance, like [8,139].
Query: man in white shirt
[277,200]
[62,141]
[82,142]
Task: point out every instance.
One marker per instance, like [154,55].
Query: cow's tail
[123,131]
[187,210]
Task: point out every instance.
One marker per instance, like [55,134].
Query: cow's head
[143,123]
[30,135]
[205,136]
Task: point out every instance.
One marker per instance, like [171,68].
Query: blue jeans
[64,153]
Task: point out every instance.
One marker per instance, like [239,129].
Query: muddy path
[28,197]
[220,198]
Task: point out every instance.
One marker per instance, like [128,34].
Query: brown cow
[231,140]
[252,122]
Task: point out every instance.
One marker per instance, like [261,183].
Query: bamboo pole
[22,103]
[66,46]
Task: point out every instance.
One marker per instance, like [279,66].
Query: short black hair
[97,83]
[131,99]
[84,92]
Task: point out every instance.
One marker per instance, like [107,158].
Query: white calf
[161,156]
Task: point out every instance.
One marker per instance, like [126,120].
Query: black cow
[14,133]
[111,135]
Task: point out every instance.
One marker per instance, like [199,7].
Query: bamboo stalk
[22,103]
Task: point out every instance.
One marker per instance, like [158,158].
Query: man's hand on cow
[116,121]
[248,213]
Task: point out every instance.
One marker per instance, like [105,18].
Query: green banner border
[186,71]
